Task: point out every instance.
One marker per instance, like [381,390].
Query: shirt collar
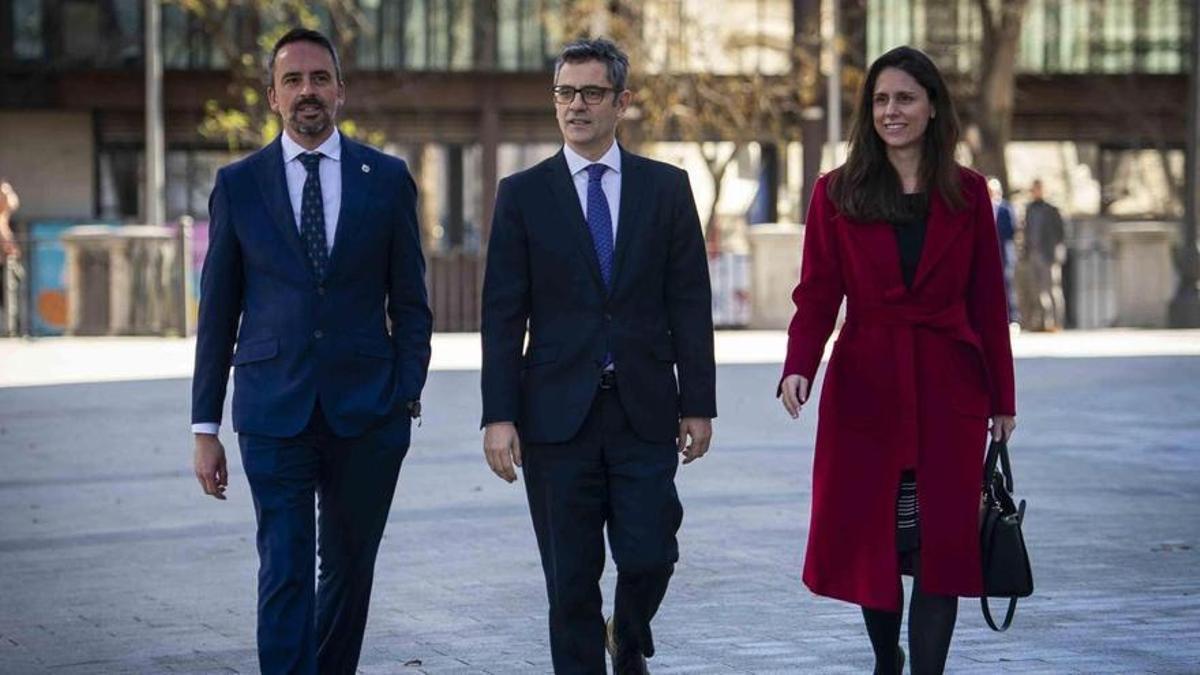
[331,148]
[577,162]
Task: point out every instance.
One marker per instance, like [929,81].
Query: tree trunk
[716,169]
[997,85]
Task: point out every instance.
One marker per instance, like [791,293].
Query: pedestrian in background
[1006,230]
[921,365]
[11,270]
[9,203]
[1045,249]
[314,252]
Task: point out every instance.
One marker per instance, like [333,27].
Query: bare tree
[993,101]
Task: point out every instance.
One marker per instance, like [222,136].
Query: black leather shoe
[630,664]
[623,663]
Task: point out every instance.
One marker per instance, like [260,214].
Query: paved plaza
[112,561]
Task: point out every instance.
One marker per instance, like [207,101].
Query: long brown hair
[867,186]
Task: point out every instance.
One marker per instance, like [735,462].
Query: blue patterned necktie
[600,222]
[312,215]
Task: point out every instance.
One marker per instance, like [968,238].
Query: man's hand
[210,465]
[1003,427]
[502,448]
[700,431]
[794,394]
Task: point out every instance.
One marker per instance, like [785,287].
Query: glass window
[120,196]
[188,45]
[104,34]
[80,36]
[524,34]
[1057,36]
[439,35]
[27,21]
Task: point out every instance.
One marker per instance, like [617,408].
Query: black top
[910,235]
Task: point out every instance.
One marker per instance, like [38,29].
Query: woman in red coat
[920,368]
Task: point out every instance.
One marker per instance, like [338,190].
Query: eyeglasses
[565,94]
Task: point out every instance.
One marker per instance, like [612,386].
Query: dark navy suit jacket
[299,341]
[542,272]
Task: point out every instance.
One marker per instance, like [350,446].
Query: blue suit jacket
[542,272]
[299,341]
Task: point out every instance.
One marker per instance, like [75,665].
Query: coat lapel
[941,229]
[629,220]
[272,182]
[567,199]
[356,187]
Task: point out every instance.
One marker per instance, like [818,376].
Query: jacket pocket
[539,354]
[379,349]
[252,351]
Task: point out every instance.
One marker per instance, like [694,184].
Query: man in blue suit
[599,255]
[1006,230]
[314,251]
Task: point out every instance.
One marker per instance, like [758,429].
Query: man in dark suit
[1046,252]
[313,249]
[599,253]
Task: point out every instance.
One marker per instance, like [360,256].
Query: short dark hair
[597,49]
[303,35]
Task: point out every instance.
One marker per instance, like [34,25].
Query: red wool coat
[914,376]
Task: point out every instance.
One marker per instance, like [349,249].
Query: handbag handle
[1008,616]
[998,453]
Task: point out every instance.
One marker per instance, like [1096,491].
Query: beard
[312,127]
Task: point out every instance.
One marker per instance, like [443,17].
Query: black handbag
[1006,571]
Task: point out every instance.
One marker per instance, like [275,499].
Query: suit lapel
[633,191]
[941,229]
[567,199]
[272,182]
[356,186]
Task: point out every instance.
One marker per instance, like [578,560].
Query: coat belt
[950,321]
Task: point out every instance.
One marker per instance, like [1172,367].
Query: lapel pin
[366,169]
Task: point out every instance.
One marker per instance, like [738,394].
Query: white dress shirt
[330,170]
[577,165]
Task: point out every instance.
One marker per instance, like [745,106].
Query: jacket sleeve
[987,304]
[818,296]
[408,302]
[689,308]
[221,283]
[505,310]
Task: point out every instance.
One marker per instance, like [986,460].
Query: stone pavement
[111,561]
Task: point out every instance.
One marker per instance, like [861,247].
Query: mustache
[310,100]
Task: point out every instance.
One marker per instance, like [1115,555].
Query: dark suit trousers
[352,481]
[606,475]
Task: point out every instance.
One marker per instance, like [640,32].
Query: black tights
[930,626]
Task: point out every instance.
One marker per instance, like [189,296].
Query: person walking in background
[9,203]
[921,365]
[599,254]
[1045,249]
[313,252]
[1006,229]
[11,270]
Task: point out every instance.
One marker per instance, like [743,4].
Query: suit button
[318,334]
[607,316]
[320,290]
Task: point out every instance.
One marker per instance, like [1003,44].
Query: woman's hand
[1003,427]
[794,393]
